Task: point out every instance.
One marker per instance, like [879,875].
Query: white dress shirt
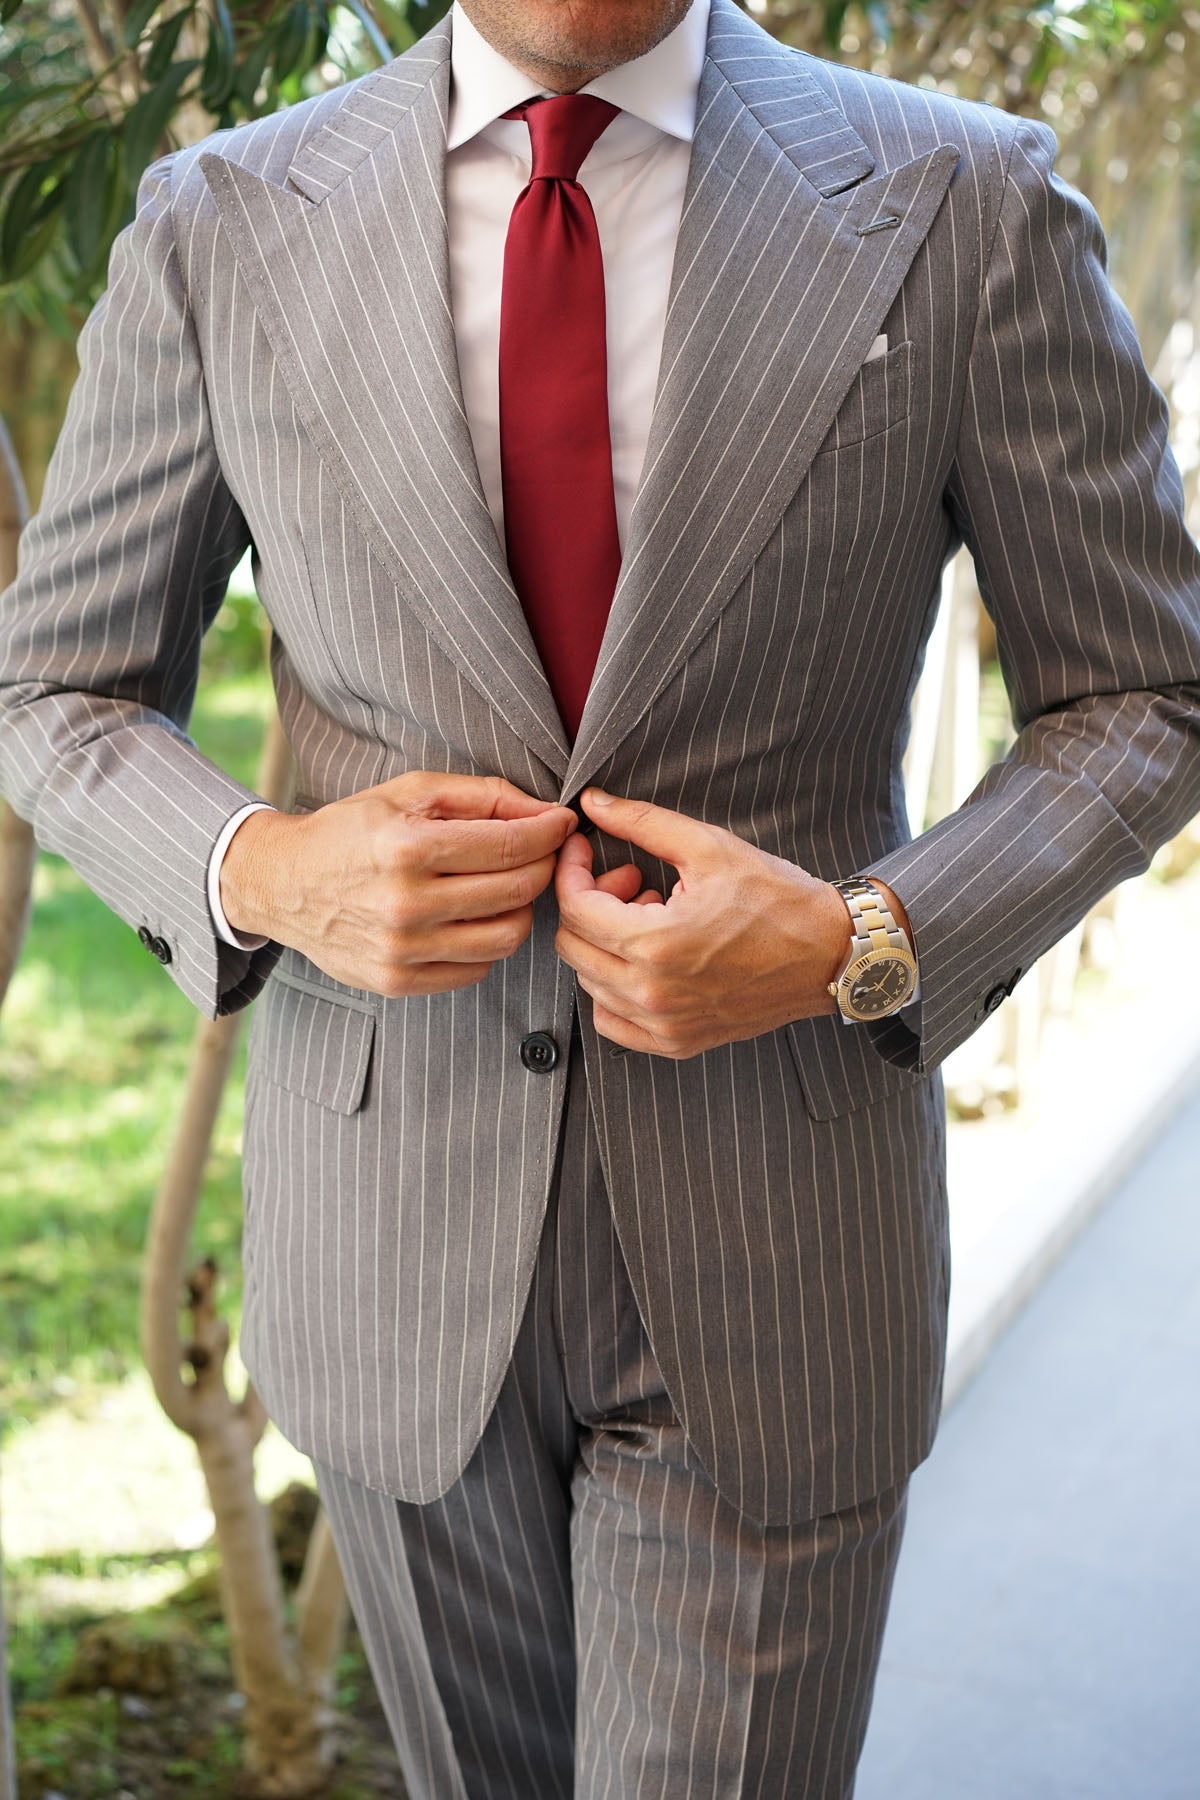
[634,176]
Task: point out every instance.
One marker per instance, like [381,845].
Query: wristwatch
[880,973]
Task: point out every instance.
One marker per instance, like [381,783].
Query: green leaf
[117,210]
[29,207]
[20,206]
[379,43]
[146,121]
[223,24]
[20,96]
[832,25]
[136,21]
[84,193]
[291,40]
[32,249]
[424,13]
[397,28]
[249,76]
[163,47]
[7,9]
[216,80]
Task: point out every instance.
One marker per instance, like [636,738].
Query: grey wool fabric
[582,1615]
[274,365]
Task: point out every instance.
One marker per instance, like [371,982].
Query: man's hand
[413,887]
[744,943]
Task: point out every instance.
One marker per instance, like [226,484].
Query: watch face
[878,983]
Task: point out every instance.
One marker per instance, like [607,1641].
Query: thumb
[687,844]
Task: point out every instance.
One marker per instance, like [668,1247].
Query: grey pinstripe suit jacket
[274,363]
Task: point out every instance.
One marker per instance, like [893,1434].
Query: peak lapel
[351,282]
[775,299]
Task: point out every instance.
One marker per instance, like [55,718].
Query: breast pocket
[880,396]
[313,1041]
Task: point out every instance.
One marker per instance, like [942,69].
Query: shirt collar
[659,88]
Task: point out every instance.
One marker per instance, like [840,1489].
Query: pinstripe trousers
[582,1613]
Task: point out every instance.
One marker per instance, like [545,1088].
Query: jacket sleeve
[120,575]
[1067,495]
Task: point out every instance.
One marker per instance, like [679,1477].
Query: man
[595,1224]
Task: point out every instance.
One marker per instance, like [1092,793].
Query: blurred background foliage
[91,92]
[1118,82]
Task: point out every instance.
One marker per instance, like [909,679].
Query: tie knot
[562,129]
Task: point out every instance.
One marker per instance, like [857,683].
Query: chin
[578,37]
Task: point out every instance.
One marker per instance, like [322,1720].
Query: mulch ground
[141,1705]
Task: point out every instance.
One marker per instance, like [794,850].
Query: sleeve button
[997,997]
[159,947]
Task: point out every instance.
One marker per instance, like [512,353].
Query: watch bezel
[883,953]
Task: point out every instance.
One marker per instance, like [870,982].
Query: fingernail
[598,797]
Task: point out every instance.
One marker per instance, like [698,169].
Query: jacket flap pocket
[840,1069]
[879,397]
[313,1042]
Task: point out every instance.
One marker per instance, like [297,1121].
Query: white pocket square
[878,348]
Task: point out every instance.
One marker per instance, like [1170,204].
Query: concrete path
[1044,1642]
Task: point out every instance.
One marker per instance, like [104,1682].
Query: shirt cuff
[240,940]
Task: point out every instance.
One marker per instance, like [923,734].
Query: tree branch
[321,1609]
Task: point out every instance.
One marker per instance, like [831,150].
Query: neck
[553,78]
[561,45]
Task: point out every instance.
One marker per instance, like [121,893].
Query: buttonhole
[888,222]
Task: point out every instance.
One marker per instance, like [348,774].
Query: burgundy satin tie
[560,518]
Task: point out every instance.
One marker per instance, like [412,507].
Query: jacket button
[539,1052]
[997,997]
[159,947]
[145,936]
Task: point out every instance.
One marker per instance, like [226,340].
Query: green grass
[94,1044]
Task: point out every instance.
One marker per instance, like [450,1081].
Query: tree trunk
[322,1608]
[287,1684]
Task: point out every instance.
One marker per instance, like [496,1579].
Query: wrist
[249,875]
[879,973]
[895,906]
[838,935]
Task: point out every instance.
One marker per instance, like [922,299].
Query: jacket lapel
[779,287]
[348,269]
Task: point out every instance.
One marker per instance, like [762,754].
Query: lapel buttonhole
[888,222]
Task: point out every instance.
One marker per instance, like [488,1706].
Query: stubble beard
[564,44]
